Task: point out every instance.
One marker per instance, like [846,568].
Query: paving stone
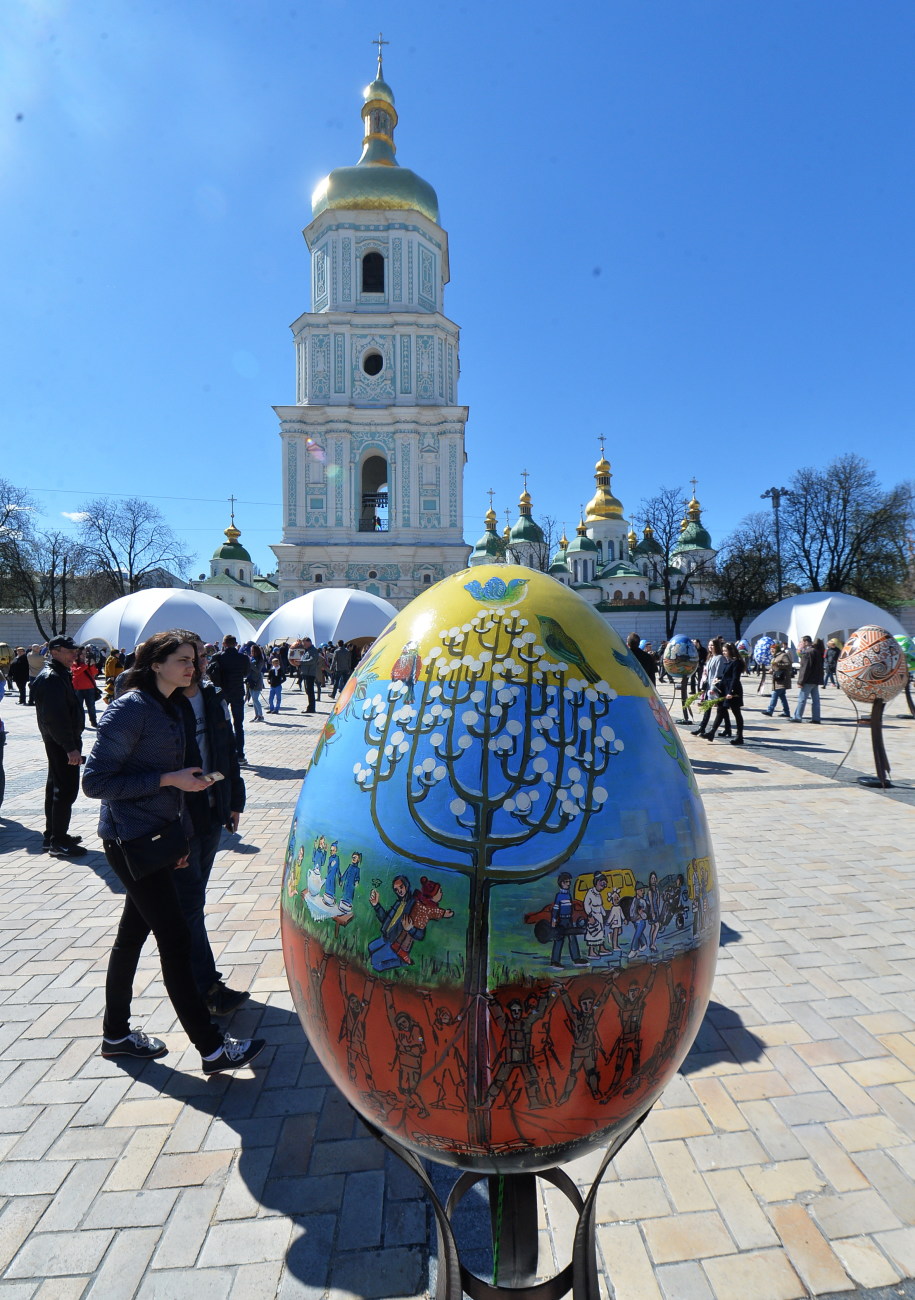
[740,1210]
[188,1284]
[75,1195]
[632,1199]
[684,1282]
[17,1219]
[627,1263]
[759,1275]
[784,1181]
[687,1236]
[864,1262]
[808,1250]
[187,1228]
[853,1212]
[55,1254]
[682,1178]
[130,1209]
[124,1265]
[245,1243]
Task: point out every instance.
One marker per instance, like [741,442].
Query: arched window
[427,579]
[611,554]
[617,595]
[373,273]
[227,573]
[373,516]
[241,575]
[641,596]
[319,577]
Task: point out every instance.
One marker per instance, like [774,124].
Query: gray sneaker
[235,1053]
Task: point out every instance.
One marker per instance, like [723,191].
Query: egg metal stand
[513,1211]
[881,762]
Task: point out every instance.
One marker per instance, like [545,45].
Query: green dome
[231,549]
[490,546]
[694,538]
[648,545]
[581,542]
[526,530]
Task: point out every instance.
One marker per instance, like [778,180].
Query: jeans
[152,906]
[830,677]
[340,680]
[87,700]
[237,708]
[60,792]
[256,701]
[276,696]
[779,694]
[191,884]
[804,694]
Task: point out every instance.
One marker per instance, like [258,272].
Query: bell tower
[373,449]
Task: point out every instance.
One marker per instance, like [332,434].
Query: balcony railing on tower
[374,517]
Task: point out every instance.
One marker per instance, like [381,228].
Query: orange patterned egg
[872,666]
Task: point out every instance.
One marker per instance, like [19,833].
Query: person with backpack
[782,672]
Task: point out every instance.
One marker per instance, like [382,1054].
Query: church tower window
[373,274]
[319,577]
[373,363]
[373,516]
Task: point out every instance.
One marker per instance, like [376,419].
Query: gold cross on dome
[695,483]
[232,501]
[379,41]
[601,439]
[525,474]
[491,493]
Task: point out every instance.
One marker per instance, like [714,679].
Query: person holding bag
[137,768]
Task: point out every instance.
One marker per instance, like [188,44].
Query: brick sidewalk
[780,1163]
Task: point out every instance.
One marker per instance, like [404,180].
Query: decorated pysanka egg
[872,666]
[762,651]
[499,906]
[681,658]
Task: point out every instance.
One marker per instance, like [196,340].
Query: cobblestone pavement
[780,1163]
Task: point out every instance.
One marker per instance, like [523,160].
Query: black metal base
[513,1210]
[874,783]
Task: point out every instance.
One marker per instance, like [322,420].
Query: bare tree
[41,570]
[664,513]
[746,569]
[126,540]
[843,532]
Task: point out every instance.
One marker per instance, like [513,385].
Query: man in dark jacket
[210,743]
[341,665]
[229,670]
[19,673]
[809,679]
[648,661]
[60,721]
[308,670]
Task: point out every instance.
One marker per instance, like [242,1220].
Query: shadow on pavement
[275,773]
[298,1138]
[14,835]
[729,935]
[722,1036]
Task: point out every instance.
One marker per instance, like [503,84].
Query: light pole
[775,494]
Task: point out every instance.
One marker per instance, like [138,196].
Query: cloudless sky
[684,224]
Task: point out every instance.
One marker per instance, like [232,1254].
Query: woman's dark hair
[732,651]
[257,654]
[154,650]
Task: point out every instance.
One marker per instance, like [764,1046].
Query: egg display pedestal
[882,780]
[513,1215]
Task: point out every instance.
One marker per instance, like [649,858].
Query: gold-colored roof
[603,505]
[490,519]
[524,499]
[377,181]
[564,541]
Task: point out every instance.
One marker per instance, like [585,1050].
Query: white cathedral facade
[373,449]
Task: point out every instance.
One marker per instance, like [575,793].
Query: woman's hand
[189,779]
[182,862]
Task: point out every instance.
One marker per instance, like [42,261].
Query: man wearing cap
[60,721]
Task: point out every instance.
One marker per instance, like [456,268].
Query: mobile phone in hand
[212,777]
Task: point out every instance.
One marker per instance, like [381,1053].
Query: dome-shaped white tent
[820,614]
[335,614]
[127,621]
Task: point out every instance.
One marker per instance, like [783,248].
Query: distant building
[233,580]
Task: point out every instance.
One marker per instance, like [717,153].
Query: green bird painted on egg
[561,644]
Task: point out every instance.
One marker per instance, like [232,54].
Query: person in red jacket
[84,674]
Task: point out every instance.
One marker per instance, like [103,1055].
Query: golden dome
[631,537]
[603,505]
[490,519]
[377,180]
[524,499]
[564,541]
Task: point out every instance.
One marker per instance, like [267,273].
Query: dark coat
[140,737]
[60,714]
[19,670]
[228,795]
[729,682]
[229,671]
[810,672]
[648,662]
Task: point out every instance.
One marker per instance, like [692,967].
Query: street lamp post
[775,494]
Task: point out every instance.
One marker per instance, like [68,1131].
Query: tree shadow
[722,1037]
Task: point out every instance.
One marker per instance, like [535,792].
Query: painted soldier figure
[632,1009]
[352,1029]
[409,1049]
[582,1021]
[516,1054]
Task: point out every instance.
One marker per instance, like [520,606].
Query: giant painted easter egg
[762,651]
[681,658]
[907,645]
[499,907]
[872,666]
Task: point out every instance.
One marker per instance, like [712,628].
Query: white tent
[127,621]
[334,614]
[820,614]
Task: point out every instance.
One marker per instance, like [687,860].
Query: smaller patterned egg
[762,651]
[872,666]
[681,658]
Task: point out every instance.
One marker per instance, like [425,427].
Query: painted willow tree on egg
[492,746]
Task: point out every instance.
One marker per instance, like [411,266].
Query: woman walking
[137,768]
[255,681]
[84,675]
[730,694]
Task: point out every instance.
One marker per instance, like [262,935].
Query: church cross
[491,493]
[525,474]
[508,517]
[379,41]
[601,439]
[232,501]
[694,482]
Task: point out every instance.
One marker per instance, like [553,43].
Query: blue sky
[684,225]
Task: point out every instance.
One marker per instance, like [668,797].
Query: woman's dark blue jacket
[138,739]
